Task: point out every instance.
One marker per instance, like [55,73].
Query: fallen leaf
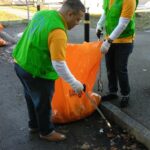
[110,135]
[113,148]
[85,146]
[124,147]
[133,147]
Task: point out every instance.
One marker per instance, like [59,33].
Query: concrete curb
[141,133]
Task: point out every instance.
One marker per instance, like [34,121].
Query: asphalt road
[13,114]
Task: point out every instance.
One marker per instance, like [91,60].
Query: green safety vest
[32,51]
[112,18]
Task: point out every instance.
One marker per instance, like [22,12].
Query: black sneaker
[109,96]
[124,101]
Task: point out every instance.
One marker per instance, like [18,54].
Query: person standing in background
[40,58]
[118,21]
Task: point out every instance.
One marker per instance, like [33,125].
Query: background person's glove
[105,47]
[99,33]
[99,30]
[100,25]
[77,87]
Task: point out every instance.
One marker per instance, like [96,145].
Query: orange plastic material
[2,42]
[83,61]
[1,27]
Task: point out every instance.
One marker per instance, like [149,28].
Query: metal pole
[38,5]
[87,26]
[99,111]
[28,15]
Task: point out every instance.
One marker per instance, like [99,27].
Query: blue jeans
[38,93]
[116,64]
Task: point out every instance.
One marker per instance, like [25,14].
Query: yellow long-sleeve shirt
[57,43]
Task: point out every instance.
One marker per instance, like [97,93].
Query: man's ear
[70,13]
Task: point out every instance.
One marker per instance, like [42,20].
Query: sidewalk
[136,117]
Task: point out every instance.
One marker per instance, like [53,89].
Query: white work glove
[105,47]
[77,87]
[99,27]
[99,33]
[99,30]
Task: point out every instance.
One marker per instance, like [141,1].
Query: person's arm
[57,45]
[100,23]
[126,14]
[64,72]
[123,23]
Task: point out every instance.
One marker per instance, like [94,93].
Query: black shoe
[124,101]
[109,96]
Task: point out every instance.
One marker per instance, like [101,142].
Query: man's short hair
[75,5]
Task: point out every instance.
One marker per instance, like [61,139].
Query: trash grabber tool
[94,104]
[100,83]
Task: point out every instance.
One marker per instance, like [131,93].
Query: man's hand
[105,47]
[78,87]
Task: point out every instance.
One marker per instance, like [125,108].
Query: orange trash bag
[1,27]
[2,42]
[83,61]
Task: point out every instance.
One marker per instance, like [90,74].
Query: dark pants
[38,94]
[116,64]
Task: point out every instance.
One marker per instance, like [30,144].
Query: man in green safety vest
[40,58]
[118,20]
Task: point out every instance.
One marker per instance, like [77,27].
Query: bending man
[39,60]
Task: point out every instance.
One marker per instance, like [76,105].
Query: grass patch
[24,8]
[142,21]
[8,17]
[5,2]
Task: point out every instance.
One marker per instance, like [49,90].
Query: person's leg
[111,74]
[33,125]
[122,54]
[41,92]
